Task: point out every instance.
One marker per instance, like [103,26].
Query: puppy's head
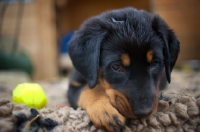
[126,51]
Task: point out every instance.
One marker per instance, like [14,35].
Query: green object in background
[13,59]
[31,94]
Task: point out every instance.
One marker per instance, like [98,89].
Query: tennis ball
[31,94]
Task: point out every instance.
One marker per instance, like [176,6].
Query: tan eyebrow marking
[149,56]
[125,59]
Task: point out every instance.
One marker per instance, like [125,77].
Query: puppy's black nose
[143,112]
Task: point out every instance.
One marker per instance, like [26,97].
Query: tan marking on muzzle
[155,106]
[75,84]
[120,102]
[117,99]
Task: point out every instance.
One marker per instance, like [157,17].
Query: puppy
[119,57]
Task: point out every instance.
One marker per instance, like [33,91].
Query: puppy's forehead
[131,35]
[131,24]
[129,53]
[130,17]
[126,58]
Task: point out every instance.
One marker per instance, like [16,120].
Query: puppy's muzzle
[142,107]
[140,113]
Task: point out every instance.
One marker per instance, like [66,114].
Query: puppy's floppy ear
[84,49]
[171,44]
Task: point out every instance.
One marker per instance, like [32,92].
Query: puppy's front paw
[104,115]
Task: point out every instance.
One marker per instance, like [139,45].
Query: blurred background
[34,36]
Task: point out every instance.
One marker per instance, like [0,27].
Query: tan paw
[104,115]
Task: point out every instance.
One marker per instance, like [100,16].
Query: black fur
[101,41]
[139,26]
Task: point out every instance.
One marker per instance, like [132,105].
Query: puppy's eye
[154,64]
[117,67]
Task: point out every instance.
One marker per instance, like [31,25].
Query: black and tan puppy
[119,57]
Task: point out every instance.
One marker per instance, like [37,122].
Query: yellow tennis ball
[31,94]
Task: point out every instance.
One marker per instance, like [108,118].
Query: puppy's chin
[120,102]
